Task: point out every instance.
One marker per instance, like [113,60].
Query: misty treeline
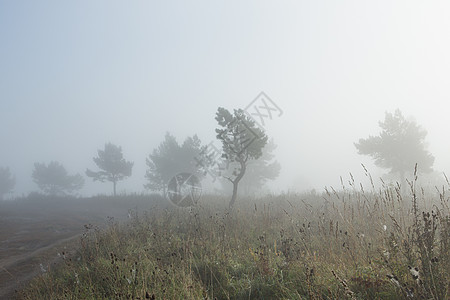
[245,161]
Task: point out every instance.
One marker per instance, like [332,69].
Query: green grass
[347,244]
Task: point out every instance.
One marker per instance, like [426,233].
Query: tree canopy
[399,146]
[169,159]
[242,141]
[113,167]
[53,179]
[7,182]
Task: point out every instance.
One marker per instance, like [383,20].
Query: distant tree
[242,141]
[170,159]
[7,182]
[112,165]
[399,146]
[53,179]
[259,171]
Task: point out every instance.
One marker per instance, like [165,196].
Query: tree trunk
[234,196]
[114,185]
[236,183]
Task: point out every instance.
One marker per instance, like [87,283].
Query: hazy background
[76,75]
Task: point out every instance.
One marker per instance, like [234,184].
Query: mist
[77,76]
[224,150]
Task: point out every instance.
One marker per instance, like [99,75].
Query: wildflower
[415,273]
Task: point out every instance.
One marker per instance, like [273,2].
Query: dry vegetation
[383,244]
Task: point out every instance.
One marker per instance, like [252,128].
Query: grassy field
[382,244]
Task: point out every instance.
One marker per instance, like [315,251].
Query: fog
[74,76]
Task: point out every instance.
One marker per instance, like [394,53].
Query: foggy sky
[75,75]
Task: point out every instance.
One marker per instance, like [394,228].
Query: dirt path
[34,231]
[17,271]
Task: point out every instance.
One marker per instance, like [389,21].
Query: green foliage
[241,138]
[400,145]
[53,179]
[113,167]
[7,182]
[171,158]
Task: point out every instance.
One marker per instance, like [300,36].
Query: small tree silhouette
[112,164]
[399,146]
[242,141]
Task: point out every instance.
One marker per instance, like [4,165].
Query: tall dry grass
[390,243]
